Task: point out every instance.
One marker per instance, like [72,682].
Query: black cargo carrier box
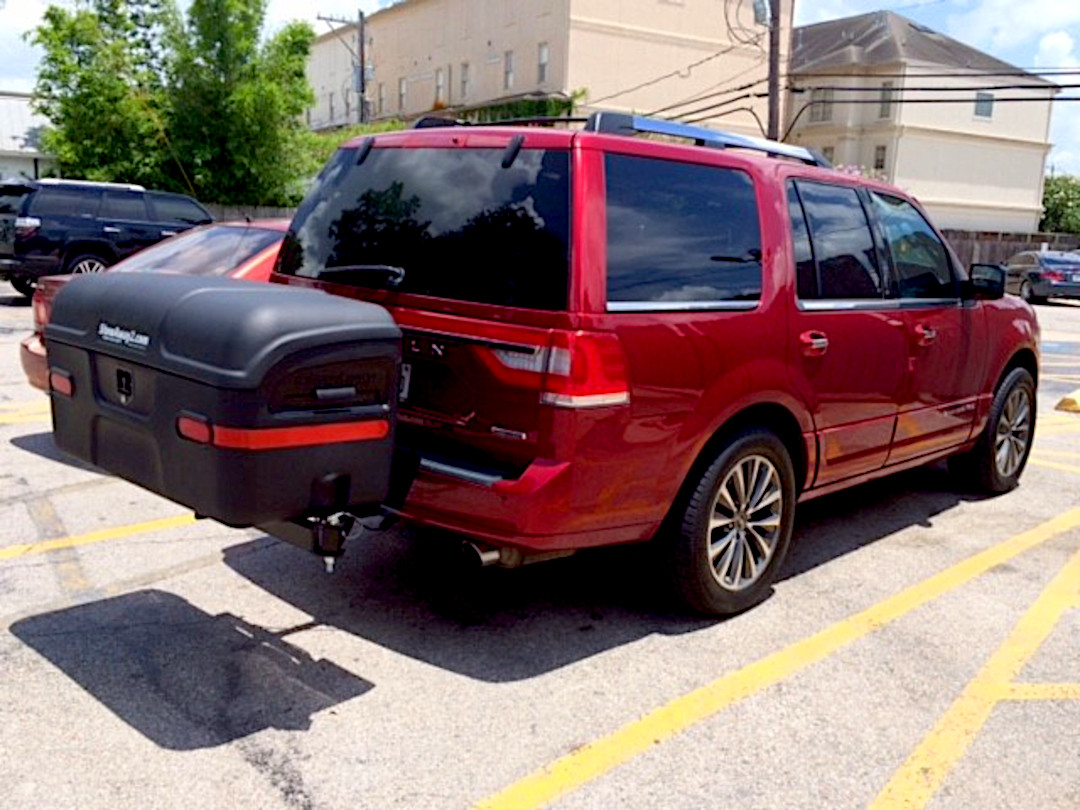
[249,403]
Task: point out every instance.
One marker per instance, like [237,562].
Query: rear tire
[736,527]
[996,462]
[1027,292]
[85,263]
[23,285]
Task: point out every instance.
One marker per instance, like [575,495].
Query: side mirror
[987,282]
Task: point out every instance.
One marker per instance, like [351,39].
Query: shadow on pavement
[14,299]
[182,678]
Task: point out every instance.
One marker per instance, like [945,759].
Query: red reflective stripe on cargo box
[304,436]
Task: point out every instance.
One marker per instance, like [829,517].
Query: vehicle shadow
[13,299]
[183,678]
[42,444]
[402,591]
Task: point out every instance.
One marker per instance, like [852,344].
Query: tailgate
[11,201]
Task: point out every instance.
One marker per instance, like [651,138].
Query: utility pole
[359,78]
[774,70]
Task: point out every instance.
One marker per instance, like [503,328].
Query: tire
[1028,294]
[23,285]
[996,462]
[85,263]
[720,573]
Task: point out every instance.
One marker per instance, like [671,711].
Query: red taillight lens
[586,370]
[42,312]
[60,382]
[1053,275]
[201,431]
[25,227]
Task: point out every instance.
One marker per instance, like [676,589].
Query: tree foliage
[1061,204]
[137,92]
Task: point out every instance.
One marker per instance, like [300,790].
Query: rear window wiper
[393,275]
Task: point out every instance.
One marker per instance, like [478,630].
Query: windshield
[213,251]
[455,221]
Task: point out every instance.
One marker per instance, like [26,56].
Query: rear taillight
[585,370]
[25,227]
[1053,275]
[60,382]
[42,312]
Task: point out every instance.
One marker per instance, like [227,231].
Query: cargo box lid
[223,332]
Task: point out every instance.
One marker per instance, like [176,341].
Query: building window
[508,70]
[440,86]
[542,63]
[464,80]
[401,94]
[984,105]
[821,105]
[886,100]
[382,98]
[879,158]
[828,152]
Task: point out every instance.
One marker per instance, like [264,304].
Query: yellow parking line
[31,405]
[1041,691]
[1054,453]
[1053,465]
[25,419]
[925,770]
[100,536]
[597,758]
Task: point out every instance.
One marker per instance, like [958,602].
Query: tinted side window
[178,209]
[805,271]
[919,259]
[65,202]
[843,244]
[128,205]
[678,232]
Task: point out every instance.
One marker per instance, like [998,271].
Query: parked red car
[610,338]
[243,250]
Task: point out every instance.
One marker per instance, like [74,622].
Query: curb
[1070,403]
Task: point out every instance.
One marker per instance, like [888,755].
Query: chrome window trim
[680,306]
[862,304]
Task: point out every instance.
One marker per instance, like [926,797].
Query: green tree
[1061,204]
[135,92]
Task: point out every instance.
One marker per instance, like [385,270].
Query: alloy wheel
[745,523]
[88,265]
[1013,433]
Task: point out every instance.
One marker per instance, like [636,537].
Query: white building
[627,55]
[930,114]
[20,134]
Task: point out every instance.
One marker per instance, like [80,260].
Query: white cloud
[1056,50]
[1006,25]
[808,12]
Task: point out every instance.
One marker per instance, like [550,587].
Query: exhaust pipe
[479,557]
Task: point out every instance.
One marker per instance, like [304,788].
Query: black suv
[71,226]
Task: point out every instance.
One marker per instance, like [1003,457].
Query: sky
[1027,33]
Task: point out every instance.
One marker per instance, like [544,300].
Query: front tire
[996,462]
[23,285]
[736,527]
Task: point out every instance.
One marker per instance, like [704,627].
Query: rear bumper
[28,267]
[534,512]
[34,362]
[1048,289]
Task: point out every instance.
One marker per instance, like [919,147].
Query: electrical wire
[705,94]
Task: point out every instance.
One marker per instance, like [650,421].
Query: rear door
[849,352]
[126,222]
[469,248]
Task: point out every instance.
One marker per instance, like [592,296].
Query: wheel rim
[745,522]
[1025,291]
[1013,433]
[88,266]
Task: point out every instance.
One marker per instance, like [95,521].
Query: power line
[704,96]
[963,73]
[924,88]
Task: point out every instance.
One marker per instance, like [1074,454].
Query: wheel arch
[76,249]
[1024,358]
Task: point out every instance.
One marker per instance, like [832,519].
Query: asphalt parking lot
[922,649]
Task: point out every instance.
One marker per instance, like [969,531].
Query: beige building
[626,55]
[928,113]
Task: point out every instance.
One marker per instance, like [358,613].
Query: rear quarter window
[680,235]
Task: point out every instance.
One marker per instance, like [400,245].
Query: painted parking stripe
[101,536]
[607,753]
[925,770]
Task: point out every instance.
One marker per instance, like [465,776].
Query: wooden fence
[242,212]
[994,248]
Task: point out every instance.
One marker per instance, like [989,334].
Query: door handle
[167,234]
[814,344]
[110,229]
[926,334]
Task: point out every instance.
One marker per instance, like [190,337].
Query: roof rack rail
[430,121]
[624,124]
[60,181]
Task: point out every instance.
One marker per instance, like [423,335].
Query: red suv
[610,338]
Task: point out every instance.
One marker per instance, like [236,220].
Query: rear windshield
[213,251]
[1061,260]
[11,199]
[456,222]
